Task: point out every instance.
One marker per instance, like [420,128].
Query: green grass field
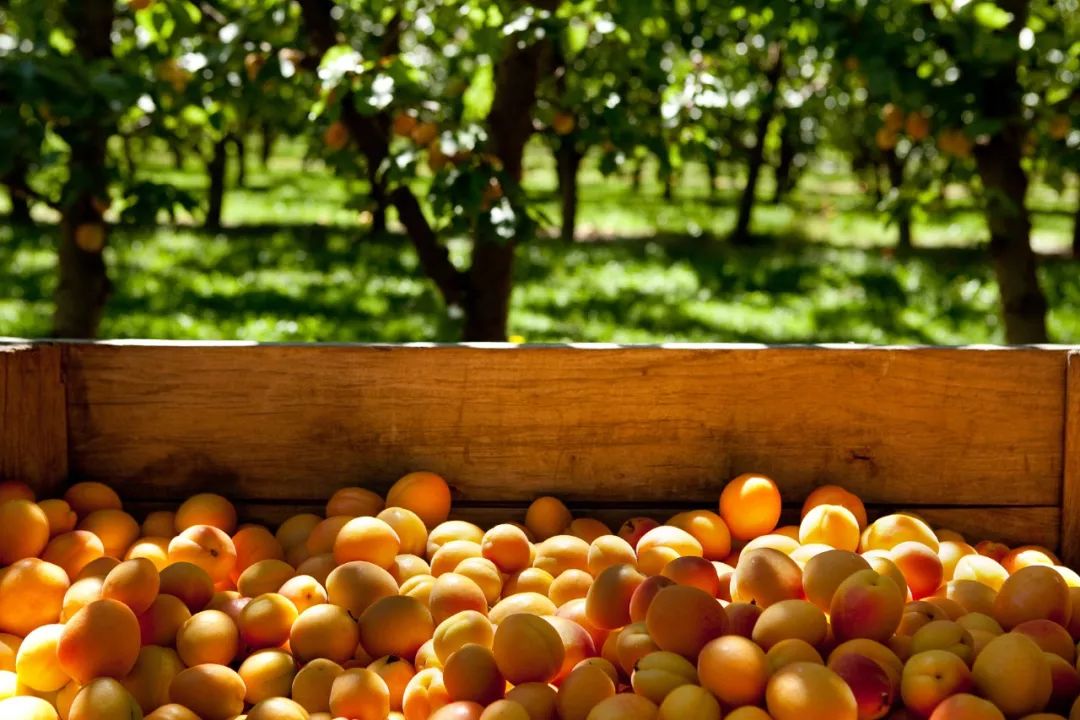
[294,263]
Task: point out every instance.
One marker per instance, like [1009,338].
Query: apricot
[575,610]
[396,673]
[409,527]
[27,708]
[624,707]
[24,530]
[159,523]
[150,678]
[61,517]
[419,587]
[527,649]
[582,690]
[212,692]
[264,576]
[547,516]
[396,625]
[354,502]
[835,495]
[311,685]
[607,604]
[1011,671]
[407,566]
[9,648]
[588,529]
[253,544]
[206,509]
[609,550]
[318,566]
[1026,555]
[266,674]
[73,551]
[790,619]
[880,562]
[832,525]
[689,701]
[16,490]
[981,569]
[577,644]
[505,710]
[103,699]
[789,651]
[971,595]
[324,631]
[1049,636]
[453,553]
[694,571]
[101,640]
[807,691]
[209,636]
[635,528]
[644,594]
[965,706]
[866,605]
[921,567]
[631,643]
[207,547]
[356,585]
[570,585]
[360,694]
[323,536]
[917,614]
[87,497]
[278,708]
[452,593]
[452,530]
[766,576]
[31,595]
[471,673]
[869,682]
[658,673]
[560,553]
[154,549]
[750,506]
[887,532]
[459,710]
[134,583]
[661,545]
[295,530]
[368,539]
[949,553]
[734,669]
[36,665]
[79,595]
[425,494]
[783,543]
[266,621]
[824,572]
[667,623]
[1032,593]
[529,580]
[116,529]
[98,568]
[508,547]
[1064,681]
[742,617]
[944,635]
[708,528]
[424,694]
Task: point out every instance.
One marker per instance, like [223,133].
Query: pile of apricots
[385,608]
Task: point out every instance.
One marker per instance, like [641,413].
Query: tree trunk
[240,144]
[667,177]
[786,161]
[267,147]
[568,162]
[1005,182]
[84,287]
[895,166]
[177,153]
[15,180]
[127,144]
[713,168]
[215,170]
[379,201]
[1076,227]
[741,234]
[635,177]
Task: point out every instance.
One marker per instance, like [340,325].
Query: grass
[294,264]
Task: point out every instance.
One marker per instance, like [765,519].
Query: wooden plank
[33,416]
[1070,489]
[897,426]
[1012,526]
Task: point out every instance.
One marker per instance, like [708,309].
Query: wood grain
[897,426]
[1070,489]
[33,416]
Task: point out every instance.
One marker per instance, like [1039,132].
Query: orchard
[386,608]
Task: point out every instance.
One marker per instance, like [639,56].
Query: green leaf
[989,15]
[478,98]
[60,42]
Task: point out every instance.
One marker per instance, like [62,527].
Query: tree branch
[434,257]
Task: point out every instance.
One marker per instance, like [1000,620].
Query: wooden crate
[981,440]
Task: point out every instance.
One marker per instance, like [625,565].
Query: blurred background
[901,171]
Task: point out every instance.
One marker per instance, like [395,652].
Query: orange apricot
[707,528]
[411,531]
[360,694]
[264,576]
[356,585]
[24,530]
[547,516]
[733,669]
[396,625]
[159,523]
[750,506]
[103,699]
[790,651]
[689,701]
[452,530]
[582,690]
[790,619]
[529,580]
[311,685]
[36,664]
[667,614]
[206,509]
[149,680]
[266,621]
[560,553]
[866,605]
[921,567]
[369,539]
[267,673]
[296,529]
[624,706]
[808,691]
[206,546]
[324,631]
[133,582]
[832,525]
[452,593]
[658,673]
[471,673]
[278,708]
[508,547]
[835,495]
[212,692]
[661,545]
[1011,671]
[456,631]
[425,494]
[73,551]
[588,529]
[607,604]
[1032,593]
[354,502]
[396,673]
[527,649]
[101,640]
[869,682]
[31,595]
[570,585]
[766,576]
[154,549]
[87,497]
[209,636]
[609,550]
[451,554]
[254,543]
[965,706]
[61,517]
[187,581]
[824,572]
[887,532]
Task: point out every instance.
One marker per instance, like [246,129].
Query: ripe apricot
[318,567]
[766,576]
[560,553]
[264,576]
[508,547]
[311,685]
[209,636]
[750,506]
[824,572]
[577,644]
[79,595]
[159,523]
[527,649]
[212,692]
[887,532]
[471,673]
[103,699]
[254,543]
[790,619]
[323,536]
[869,682]
[101,640]
[931,676]
[607,604]
[505,710]
[278,708]
[266,621]
[452,530]
[354,502]
[1032,593]
[689,701]
[667,615]
[87,497]
[635,528]
[133,582]
[694,571]
[742,617]
[27,708]
[61,517]
[73,551]
[395,625]
[587,529]
[150,678]
[295,530]
[172,711]
[356,585]
[733,669]
[789,651]
[609,550]
[16,490]
[707,528]
[1012,672]
[116,529]
[624,706]
[9,648]
[267,673]
[324,631]
[658,673]
[396,673]
[965,706]
[866,605]
[154,549]
[31,594]
[98,568]
[206,509]
[456,631]
[921,567]
[783,543]
[36,665]
[411,531]
[547,516]
[1050,636]
[570,585]
[575,610]
[487,577]
[452,593]
[366,538]
[917,614]
[424,694]
[832,525]
[661,545]
[451,554]
[582,690]
[187,581]
[24,530]
[808,691]
[835,495]
[207,547]
[950,552]
[944,635]
[425,494]
[360,694]
[529,580]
